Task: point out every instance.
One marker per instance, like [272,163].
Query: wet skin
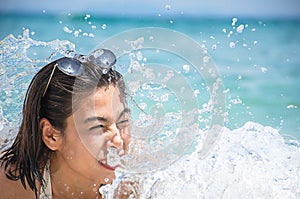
[78,162]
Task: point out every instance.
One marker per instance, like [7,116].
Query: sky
[251,8]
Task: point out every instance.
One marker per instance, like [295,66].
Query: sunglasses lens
[103,57]
[70,66]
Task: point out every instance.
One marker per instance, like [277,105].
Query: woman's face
[101,122]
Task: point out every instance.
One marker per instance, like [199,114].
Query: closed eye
[123,124]
[123,121]
[100,126]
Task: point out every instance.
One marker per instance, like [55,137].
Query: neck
[69,186]
[67,183]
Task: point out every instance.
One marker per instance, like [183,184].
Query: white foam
[250,162]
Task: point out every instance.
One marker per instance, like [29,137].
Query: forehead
[103,101]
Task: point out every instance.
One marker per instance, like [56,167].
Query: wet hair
[28,155]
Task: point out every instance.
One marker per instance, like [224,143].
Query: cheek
[72,148]
[94,144]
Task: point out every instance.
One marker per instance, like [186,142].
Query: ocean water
[256,151]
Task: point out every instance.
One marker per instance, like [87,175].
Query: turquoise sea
[257,155]
[259,66]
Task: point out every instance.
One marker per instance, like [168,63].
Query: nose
[115,139]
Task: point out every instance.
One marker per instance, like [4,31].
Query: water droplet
[231,44]
[234,20]
[76,33]
[186,68]
[167,7]
[104,71]
[263,69]
[151,38]
[240,28]
[106,180]
[236,101]
[196,93]
[291,106]
[104,26]
[230,33]
[206,59]
[67,30]
[214,47]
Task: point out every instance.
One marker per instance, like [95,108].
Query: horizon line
[159,15]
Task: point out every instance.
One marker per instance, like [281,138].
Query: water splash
[113,158]
[252,161]
[17,67]
[244,164]
[241,165]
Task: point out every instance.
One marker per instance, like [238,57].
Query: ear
[51,137]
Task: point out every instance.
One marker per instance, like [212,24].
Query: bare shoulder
[10,189]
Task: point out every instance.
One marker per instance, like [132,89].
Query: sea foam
[253,161]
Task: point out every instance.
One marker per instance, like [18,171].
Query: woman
[73,112]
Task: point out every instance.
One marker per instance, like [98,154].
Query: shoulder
[11,189]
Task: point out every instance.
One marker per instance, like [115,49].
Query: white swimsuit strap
[46,190]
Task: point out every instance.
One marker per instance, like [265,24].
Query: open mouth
[113,159]
[106,166]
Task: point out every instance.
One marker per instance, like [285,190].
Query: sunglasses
[102,58]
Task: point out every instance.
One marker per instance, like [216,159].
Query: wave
[253,161]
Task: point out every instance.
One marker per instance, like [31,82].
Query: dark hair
[28,153]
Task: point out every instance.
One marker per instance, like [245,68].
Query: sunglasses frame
[103,58]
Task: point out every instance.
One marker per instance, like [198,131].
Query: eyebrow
[126,110]
[95,118]
[103,119]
